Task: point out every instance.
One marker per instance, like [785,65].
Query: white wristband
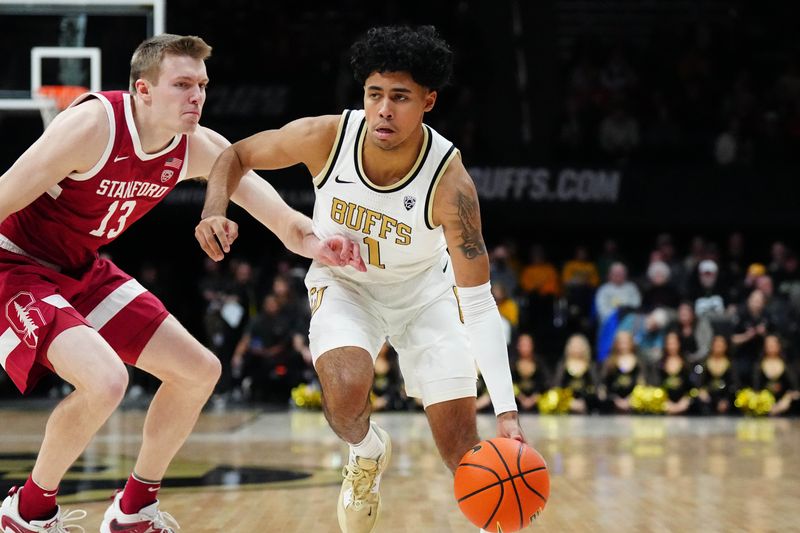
[485,331]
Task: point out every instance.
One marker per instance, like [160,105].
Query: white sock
[371,447]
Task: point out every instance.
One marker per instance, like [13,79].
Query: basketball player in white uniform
[385,179]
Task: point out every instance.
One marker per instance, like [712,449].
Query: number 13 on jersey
[125,211]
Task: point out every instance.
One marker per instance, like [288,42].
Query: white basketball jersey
[394,223]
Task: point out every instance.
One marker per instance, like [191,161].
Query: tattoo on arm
[472,245]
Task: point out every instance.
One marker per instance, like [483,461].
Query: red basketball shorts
[37,303]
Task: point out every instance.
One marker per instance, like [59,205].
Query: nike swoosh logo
[9,525]
[133,528]
[337,180]
[445,266]
[154,489]
[49,494]
[118,158]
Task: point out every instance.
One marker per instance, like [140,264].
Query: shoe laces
[362,479]
[69,516]
[165,522]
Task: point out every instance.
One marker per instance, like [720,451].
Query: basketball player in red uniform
[101,165]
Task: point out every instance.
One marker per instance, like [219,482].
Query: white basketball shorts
[419,317]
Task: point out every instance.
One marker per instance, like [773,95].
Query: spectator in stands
[659,291]
[501,269]
[608,257]
[580,279]
[265,357]
[740,290]
[539,282]
[752,327]
[695,333]
[789,285]
[677,274]
[616,292]
[708,296]
[648,331]
[508,308]
[775,307]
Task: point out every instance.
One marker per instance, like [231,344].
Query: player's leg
[345,375]
[40,331]
[84,359]
[81,357]
[343,336]
[437,365]
[188,373]
[454,428]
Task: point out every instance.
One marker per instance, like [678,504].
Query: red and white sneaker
[148,520]
[12,522]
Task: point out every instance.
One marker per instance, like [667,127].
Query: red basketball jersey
[69,223]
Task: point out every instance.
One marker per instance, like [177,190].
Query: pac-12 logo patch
[25,318]
[409,202]
[166,175]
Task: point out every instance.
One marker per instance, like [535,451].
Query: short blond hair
[147,58]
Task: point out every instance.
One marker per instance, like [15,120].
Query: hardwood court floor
[248,470]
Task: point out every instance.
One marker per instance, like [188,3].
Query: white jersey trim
[112,132]
[185,166]
[114,303]
[137,143]
[8,343]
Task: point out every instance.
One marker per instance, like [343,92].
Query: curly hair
[419,51]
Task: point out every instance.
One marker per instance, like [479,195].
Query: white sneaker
[148,520]
[359,499]
[12,522]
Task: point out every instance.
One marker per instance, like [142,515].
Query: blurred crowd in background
[700,320]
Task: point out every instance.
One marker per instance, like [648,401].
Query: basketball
[501,485]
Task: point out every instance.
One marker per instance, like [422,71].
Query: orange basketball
[501,485]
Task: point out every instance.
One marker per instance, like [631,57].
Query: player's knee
[348,396]
[109,388]
[205,370]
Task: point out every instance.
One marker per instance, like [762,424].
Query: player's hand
[338,251]
[215,235]
[508,426]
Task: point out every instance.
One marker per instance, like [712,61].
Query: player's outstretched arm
[456,209]
[231,177]
[74,142]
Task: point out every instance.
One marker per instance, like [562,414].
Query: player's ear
[430,100]
[142,88]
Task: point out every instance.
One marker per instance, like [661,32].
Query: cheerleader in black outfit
[718,383]
[576,373]
[773,374]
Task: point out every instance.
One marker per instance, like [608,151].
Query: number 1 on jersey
[127,207]
[374,252]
